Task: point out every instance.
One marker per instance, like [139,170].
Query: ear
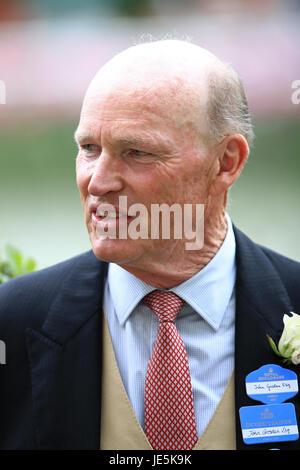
[232,156]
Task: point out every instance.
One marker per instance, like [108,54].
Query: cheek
[175,183]
[191,187]
[82,177]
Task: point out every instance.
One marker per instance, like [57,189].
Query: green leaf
[273,346]
[14,263]
[29,265]
[14,259]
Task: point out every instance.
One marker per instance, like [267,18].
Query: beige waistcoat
[120,428]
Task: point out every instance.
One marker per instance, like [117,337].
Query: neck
[178,264]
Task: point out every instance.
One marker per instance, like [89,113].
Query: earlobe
[233,154]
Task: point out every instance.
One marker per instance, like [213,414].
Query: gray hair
[227,107]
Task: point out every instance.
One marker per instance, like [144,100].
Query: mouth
[105,214]
[108,215]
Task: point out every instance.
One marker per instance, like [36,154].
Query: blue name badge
[271,384]
[269,423]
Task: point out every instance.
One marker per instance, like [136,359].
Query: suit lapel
[261,302]
[65,361]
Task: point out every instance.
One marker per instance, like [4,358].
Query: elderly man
[146,342]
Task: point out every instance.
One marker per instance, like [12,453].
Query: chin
[114,251]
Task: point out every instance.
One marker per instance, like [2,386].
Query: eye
[90,148]
[137,153]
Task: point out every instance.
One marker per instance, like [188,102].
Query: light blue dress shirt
[205,323]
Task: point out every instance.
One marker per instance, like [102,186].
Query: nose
[106,175]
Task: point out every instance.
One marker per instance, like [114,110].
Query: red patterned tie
[170,422]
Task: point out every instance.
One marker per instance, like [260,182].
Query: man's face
[137,145]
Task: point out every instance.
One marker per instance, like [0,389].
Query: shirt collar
[208,292]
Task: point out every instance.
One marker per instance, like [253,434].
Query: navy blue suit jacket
[50,321]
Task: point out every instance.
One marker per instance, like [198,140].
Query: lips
[107,211]
[107,215]
[103,210]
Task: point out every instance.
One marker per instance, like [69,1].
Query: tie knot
[165,305]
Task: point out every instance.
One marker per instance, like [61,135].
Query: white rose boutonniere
[289,343]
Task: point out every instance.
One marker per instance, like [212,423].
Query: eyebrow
[155,144]
[82,137]
[135,140]
[155,141]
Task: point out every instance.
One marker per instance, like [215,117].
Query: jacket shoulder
[277,259]
[29,296]
[281,261]
[287,269]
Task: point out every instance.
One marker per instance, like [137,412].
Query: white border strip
[276,386]
[255,433]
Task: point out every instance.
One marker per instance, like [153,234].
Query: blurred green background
[40,207]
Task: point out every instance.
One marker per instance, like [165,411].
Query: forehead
[132,101]
[127,111]
[164,106]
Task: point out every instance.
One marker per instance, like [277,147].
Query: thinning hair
[227,106]
[182,66]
